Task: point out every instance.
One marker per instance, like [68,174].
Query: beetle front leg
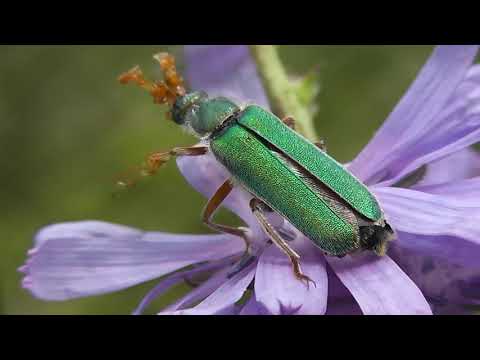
[155,160]
[257,209]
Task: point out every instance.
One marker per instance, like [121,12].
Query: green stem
[280,92]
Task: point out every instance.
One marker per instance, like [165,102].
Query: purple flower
[432,265]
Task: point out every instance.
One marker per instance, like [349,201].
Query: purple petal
[417,114]
[419,212]
[379,286]
[340,300]
[280,292]
[222,301]
[200,292]
[174,279]
[343,308]
[440,220]
[465,190]
[206,175]
[448,288]
[455,250]
[72,260]
[223,70]
[253,307]
[461,165]
[456,127]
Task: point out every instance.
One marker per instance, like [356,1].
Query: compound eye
[186,107]
[178,115]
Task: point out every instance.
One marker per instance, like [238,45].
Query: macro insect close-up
[281,170]
[329,211]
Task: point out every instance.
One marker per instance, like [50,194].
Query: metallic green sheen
[184,108]
[316,162]
[261,172]
[212,113]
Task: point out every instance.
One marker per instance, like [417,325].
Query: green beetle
[283,171]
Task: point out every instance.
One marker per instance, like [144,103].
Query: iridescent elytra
[283,171]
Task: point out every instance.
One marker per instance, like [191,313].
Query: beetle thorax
[201,114]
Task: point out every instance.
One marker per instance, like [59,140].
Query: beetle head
[201,114]
[193,110]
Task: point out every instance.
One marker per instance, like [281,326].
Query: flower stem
[280,92]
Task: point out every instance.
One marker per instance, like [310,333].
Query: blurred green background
[67,128]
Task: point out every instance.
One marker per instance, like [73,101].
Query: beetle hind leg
[297,271]
[257,209]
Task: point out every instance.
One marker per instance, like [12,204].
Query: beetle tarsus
[157,159]
[297,271]
[322,145]
[154,161]
[257,206]
[289,121]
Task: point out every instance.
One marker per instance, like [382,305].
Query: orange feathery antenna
[164,91]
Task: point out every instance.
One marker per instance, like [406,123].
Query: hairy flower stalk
[280,91]
[433,265]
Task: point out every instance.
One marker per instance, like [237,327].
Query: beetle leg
[213,204]
[322,145]
[289,121]
[208,213]
[256,206]
[155,160]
